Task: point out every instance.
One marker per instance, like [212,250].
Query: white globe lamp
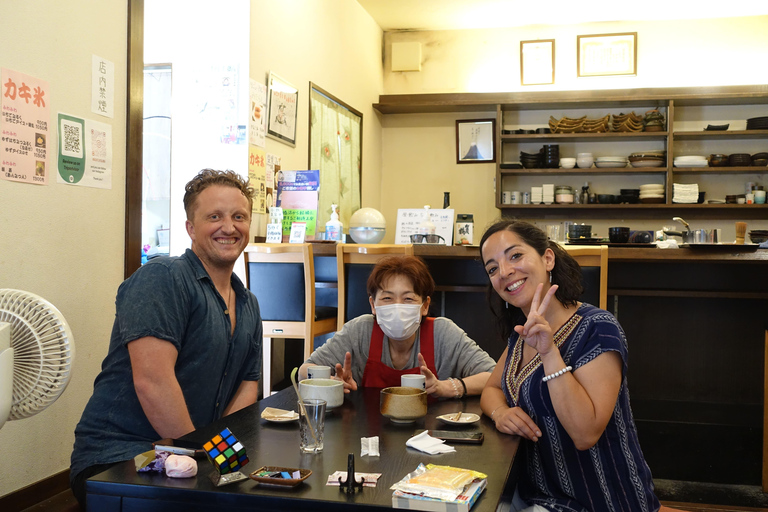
[367,226]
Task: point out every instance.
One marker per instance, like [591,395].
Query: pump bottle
[333,227]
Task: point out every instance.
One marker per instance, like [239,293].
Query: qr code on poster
[71,139]
[98,144]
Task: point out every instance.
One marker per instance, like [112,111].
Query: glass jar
[564,194]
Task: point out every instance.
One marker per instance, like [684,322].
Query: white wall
[64,243]
[419,162]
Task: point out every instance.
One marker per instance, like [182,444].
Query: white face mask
[399,321]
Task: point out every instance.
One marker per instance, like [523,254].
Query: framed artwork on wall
[475,141]
[537,62]
[607,54]
[283,100]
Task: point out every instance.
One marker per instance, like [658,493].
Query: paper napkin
[270,413]
[428,444]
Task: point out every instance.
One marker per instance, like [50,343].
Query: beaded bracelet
[557,374]
[455,388]
[464,386]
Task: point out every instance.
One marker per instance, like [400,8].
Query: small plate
[467,418]
[285,482]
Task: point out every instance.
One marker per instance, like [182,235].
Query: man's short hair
[208,177]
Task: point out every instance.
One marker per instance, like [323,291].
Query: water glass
[312,425]
[553,232]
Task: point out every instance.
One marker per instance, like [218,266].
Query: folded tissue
[428,444]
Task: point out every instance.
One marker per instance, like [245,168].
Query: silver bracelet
[455,388]
[557,374]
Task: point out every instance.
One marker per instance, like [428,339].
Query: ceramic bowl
[330,390]
[585,162]
[618,235]
[567,163]
[403,405]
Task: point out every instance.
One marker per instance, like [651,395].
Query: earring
[506,304]
[550,278]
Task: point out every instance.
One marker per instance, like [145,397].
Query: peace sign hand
[536,331]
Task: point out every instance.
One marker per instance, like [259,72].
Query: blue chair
[282,276]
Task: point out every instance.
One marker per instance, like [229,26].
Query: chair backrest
[355,262]
[593,260]
[282,277]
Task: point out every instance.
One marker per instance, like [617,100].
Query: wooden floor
[66,502]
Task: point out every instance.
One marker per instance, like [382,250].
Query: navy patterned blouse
[610,476]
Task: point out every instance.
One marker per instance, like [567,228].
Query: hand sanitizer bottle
[333,227]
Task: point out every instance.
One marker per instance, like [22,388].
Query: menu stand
[351,485]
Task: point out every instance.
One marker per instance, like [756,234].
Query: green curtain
[335,151]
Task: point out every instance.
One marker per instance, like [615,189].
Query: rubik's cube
[226,452]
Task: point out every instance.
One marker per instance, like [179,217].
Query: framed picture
[475,141]
[283,100]
[607,54]
[537,62]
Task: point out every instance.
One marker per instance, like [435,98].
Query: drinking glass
[312,425]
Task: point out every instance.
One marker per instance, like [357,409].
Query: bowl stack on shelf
[757,123]
[760,159]
[579,125]
[531,160]
[627,123]
[648,158]
[740,160]
[652,193]
[691,161]
[611,161]
[758,236]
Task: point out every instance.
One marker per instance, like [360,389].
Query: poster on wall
[85,152]
[297,196]
[102,86]
[273,166]
[283,102]
[24,128]
[257,170]
[409,221]
[257,124]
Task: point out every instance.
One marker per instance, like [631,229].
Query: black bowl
[606,198]
[618,235]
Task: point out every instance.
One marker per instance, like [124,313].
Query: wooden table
[268,444]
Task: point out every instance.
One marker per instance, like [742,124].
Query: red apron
[379,375]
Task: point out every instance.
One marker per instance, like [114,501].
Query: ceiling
[471,14]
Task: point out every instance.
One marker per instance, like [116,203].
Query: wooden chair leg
[266,367]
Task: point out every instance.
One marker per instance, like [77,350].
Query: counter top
[703,254]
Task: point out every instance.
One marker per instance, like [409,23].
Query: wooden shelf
[585,137]
[722,135]
[592,170]
[553,100]
[721,170]
[636,211]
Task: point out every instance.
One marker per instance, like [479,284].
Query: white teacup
[417,381]
[330,390]
[318,372]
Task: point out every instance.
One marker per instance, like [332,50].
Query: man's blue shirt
[173,299]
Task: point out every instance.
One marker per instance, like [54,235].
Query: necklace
[229,300]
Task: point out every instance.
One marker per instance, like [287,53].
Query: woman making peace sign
[563,386]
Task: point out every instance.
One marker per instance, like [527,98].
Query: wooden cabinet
[687,112]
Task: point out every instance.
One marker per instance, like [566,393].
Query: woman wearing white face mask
[398,338]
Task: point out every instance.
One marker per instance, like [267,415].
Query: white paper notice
[257,126]
[102,87]
[24,127]
[409,219]
[85,152]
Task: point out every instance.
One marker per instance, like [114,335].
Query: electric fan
[36,354]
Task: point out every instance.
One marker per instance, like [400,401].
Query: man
[185,348]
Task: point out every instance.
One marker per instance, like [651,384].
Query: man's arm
[246,394]
[154,378]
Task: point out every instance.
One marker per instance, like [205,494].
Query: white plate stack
[685,193]
[616,162]
[691,161]
[652,193]
[536,196]
[548,193]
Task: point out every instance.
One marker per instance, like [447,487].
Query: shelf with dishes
[562,171]
[585,137]
[721,135]
[638,211]
[722,170]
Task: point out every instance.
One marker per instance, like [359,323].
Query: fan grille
[43,351]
